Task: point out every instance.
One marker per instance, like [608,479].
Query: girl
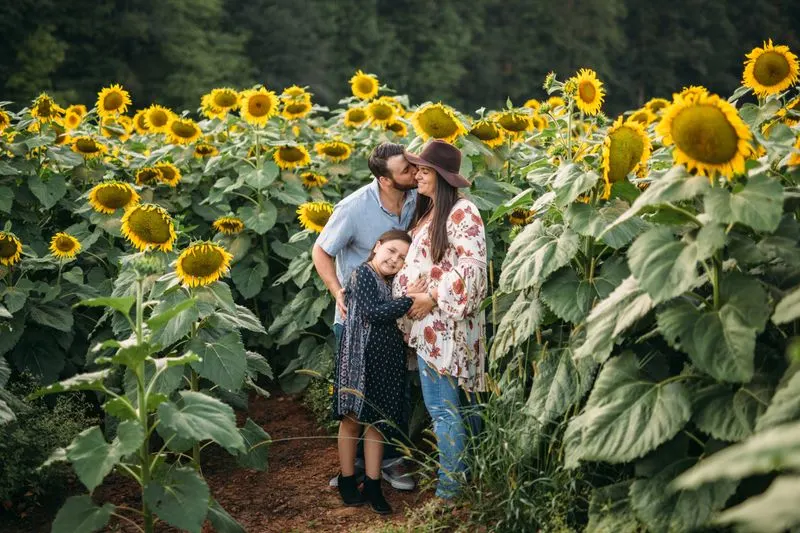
[370,367]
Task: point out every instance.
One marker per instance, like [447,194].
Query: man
[357,221]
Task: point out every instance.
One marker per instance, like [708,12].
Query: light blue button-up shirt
[355,225]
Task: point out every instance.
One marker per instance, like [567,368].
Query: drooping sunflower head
[539,121]
[140,122]
[489,132]
[202,150]
[169,173]
[788,114]
[44,109]
[202,263]
[183,131]
[10,249]
[148,226]
[291,156]
[626,149]
[521,216]
[437,121]
[364,86]
[71,121]
[148,176]
[355,117]
[333,150]
[557,106]
[5,121]
[533,104]
[312,179]
[770,69]
[514,122]
[88,147]
[708,135]
[157,118]
[382,111]
[109,196]
[228,225]
[112,101]
[64,246]
[643,116]
[258,105]
[589,92]
[116,127]
[314,215]
[294,109]
[78,109]
[656,105]
[398,127]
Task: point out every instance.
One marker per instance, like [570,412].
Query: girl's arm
[377,310]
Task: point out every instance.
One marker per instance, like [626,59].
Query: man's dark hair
[379,156]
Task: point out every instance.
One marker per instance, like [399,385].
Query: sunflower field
[645,269]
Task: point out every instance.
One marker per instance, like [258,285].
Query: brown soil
[291,496]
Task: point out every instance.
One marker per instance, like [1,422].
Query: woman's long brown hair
[446,198]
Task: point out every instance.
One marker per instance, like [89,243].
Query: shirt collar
[375,190]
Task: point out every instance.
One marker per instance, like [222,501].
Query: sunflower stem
[715,281]
[144,450]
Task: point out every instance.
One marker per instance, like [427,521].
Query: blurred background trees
[469,53]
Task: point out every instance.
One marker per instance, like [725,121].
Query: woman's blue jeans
[442,401]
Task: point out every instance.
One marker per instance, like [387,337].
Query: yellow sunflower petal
[312,179]
[314,215]
[228,225]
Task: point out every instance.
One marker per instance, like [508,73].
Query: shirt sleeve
[337,232]
[376,309]
[462,289]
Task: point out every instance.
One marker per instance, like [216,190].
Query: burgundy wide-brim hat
[444,158]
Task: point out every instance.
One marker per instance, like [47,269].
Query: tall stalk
[144,451]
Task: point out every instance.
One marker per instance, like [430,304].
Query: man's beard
[401,187]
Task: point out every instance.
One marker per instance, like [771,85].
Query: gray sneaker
[395,472]
[359,471]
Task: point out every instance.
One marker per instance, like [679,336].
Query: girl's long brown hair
[446,198]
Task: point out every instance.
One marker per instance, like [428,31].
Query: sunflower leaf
[537,252]
[519,323]
[48,192]
[759,204]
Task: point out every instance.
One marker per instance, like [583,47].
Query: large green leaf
[93,458]
[258,364]
[5,372]
[626,416]
[122,304]
[200,417]
[727,413]
[259,218]
[775,449]
[537,251]
[249,277]
[6,199]
[772,512]
[56,316]
[89,381]
[221,520]
[588,221]
[675,512]
[570,181]
[261,178]
[223,359]
[241,318]
[571,297]
[785,404]
[256,442]
[560,382]
[80,515]
[519,323]
[720,343]
[180,498]
[610,510]
[788,309]
[759,204]
[624,306]
[48,192]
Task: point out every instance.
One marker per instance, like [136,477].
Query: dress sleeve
[376,309]
[462,289]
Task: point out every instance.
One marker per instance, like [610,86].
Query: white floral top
[451,338]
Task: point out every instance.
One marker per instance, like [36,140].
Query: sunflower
[260,149]
[626,149]
[71,120]
[109,196]
[224,99]
[148,176]
[44,109]
[643,116]
[183,131]
[533,104]
[437,121]
[202,150]
[314,215]
[513,122]
[521,217]
[708,135]
[355,117]
[78,109]
[148,226]
[312,179]
[10,249]
[692,91]
[209,110]
[112,101]
[88,147]
[64,246]
[333,150]
[539,122]
[771,69]
[228,225]
[788,113]
[295,93]
[656,105]
[557,106]
[364,86]
[157,118]
[116,127]
[62,137]
[794,159]
[382,111]
[140,122]
[590,93]
[398,127]
[5,121]
[289,157]
[169,174]
[202,263]
[258,106]
[296,109]
[488,131]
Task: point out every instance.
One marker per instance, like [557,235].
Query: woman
[447,327]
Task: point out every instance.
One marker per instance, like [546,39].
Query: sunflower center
[112,101]
[586,91]
[149,226]
[204,149]
[65,244]
[318,216]
[147,175]
[625,151]
[513,122]
[87,146]
[437,123]
[225,99]
[771,68]
[229,225]
[259,105]
[8,248]
[382,111]
[141,123]
[114,196]
[44,108]
[297,107]
[356,115]
[485,131]
[183,129]
[365,84]
[202,262]
[704,133]
[335,150]
[157,118]
[291,154]
[167,173]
